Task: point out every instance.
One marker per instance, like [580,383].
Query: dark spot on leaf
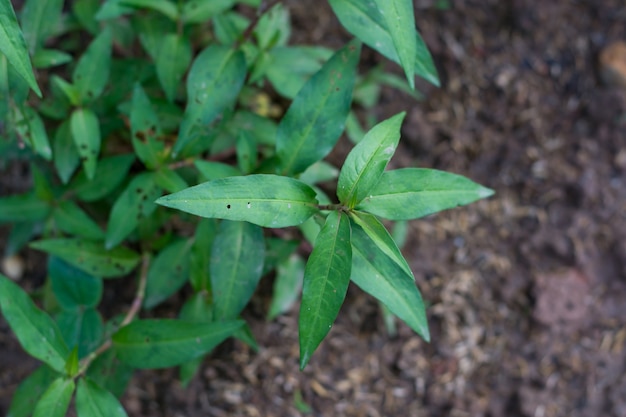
[228,206]
[141,136]
[147,340]
[139,191]
[118,266]
[337,88]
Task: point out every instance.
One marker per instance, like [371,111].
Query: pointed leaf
[37,332]
[287,286]
[172,61]
[72,287]
[266,200]
[82,329]
[216,170]
[169,180]
[110,173]
[23,208]
[236,266]
[56,400]
[149,344]
[246,152]
[197,308]
[110,373]
[400,20]
[13,46]
[213,85]
[379,235]
[73,220]
[66,158]
[200,11]
[86,134]
[145,129]
[411,193]
[30,390]
[90,256]
[94,401]
[382,277]
[133,205]
[166,7]
[31,129]
[168,272]
[39,19]
[46,58]
[92,71]
[316,117]
[367,161]
[85,12]
[201,255]
[326,279]
[290,67]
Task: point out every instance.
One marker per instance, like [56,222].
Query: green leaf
[287,285]
[383,278]
[23,208]
[291,66]
[46,58]
[236,266]
[400,20]
[316,117]
[73,220]
[149,344]
[169,180]
[82,329]
[92,71]
[246,149]
[112,9]
[90,256]
[86,134]
[134,204]
[71,364]
[172,61]
[278,251]
[37,332]
[56,400]
[196,308]
[110,373]
[73,288]
[85,12]
[265,200]
[70,91]
[320,171]
[110,173]
[168,272]
[66,158]
[213,85]
[326,279]
[274,28]
[200,11]
[166,7]
[216,170]
[364,20]
[229,27]
[39,19]
[381,238]
[201,254]
[94,401]
[367,161]
[411,193]
[31,129]
[13,46]
[152,30]
[29,391]
[146,130]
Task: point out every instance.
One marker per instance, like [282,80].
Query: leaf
[196,308]
[146,130]
[364,20]
[56,399]
[172,61]
[411,193]
[36,331]
[400,20]
[236,266]
[70,91]
[320,171]
[367,161]
[92,70]
[166,7]
[200,11]
[38,19]
[110,373]
[90,256]
[94,401]
[213,85]
[23,208]
[201,254]
[66,158]
[31,129]
[13,46]
[216,170]
[112,9]
[326,279]
[73,288]
[291,66]
[134,204]
[85,12]
[287,285]
[110,173]
[383,278]
[46,58]
[29,391]
[274,28]
[277,251]
[381,238]
[316,117]
[168,272]
[86,134]
[150,344]
[265,200]
[82,329]
[246,149]
[169,180]
[73,220]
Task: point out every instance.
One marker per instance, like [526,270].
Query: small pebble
[13,267]
[612,63]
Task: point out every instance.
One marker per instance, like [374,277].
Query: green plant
[115,146]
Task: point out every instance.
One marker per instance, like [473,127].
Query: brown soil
[527,290]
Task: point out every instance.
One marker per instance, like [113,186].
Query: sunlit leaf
[56,399]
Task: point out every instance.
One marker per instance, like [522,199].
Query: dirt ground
[527,290]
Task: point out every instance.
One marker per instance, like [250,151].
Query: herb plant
[158,157]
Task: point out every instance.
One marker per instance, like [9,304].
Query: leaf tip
[485,192]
